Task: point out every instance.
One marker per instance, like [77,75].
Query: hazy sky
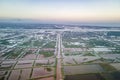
[62,10]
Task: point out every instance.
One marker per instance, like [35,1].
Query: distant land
[37,24]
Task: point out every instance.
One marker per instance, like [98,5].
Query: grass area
[116,50]
[71,46]
[40,64]
[15,53]
[4,42]
[84,77]
[22,37]
[48,69]
[89,54]
[70,39]
[107,67]
[47,53]
[2,77]
[8,53]
[50,45]
[113,33]
[116,75]
[28,52]
[5,68]
[95,42]
[69,53]
[38,42]
[28,43]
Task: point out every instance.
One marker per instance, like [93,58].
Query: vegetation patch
[84,77]
[107,67]
[50,45]
[47,53]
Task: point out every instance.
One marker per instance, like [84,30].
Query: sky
[62,10]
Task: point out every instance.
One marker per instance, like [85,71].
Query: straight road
[58,57]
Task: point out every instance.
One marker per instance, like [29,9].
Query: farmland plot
[38,72]
[24,64]
[41,62]
[68,61]
[84,59]
[7,64]
[14,75]
[116,65]
[82,69]
[45,62]
[30,54]
[47,78]
[84,77]
[25,74]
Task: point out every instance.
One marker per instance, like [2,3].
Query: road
[58,57]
